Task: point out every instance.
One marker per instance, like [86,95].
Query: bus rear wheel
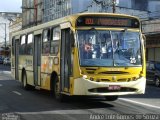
[111,98]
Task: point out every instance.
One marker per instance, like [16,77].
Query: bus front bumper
[84,86]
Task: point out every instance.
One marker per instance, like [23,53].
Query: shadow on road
[37,101]
[151,92]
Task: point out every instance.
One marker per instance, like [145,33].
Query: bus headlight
[84,76]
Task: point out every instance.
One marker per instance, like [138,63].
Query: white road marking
[1,85]
[140,103]
[18,93]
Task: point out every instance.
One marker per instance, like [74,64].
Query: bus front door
[37,59]
[16,58]
[66,70]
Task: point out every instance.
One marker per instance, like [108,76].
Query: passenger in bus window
[88,50]
[106,49]
[47,48]
[115,45]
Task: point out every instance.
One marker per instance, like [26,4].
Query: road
[17,103]
[5,67]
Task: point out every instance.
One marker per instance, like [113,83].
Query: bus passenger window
[29,46]
[46,43]
[55,40]
[22,46]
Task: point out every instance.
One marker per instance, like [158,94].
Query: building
[14,26]
[39,11]
[54,9]
[121,6]
[6,18]
[32,12]
[151,29]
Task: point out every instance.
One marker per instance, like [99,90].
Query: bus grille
[105,90]
[92,71]
[113,72]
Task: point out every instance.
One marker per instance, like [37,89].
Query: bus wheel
[111,98]
[58,96]
[24,82]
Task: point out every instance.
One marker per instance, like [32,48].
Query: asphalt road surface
[5,67]
[19,104]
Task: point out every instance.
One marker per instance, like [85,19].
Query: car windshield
[109,48]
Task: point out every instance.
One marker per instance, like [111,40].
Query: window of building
[55,40]
[29,45]
[22,46]
[46,42]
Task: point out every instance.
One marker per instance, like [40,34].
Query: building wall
[151,28]
[31,12]
[94,7]
[54,9]
[15,26]
[154,8]
[100,7]
[125,3]
[79,5]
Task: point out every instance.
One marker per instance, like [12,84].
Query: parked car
[153,72]
[6,61]
[1,60]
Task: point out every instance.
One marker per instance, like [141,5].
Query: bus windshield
[109,48]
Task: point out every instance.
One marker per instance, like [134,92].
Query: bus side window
[46,42]
[55,40]
[22,48]
[29,46]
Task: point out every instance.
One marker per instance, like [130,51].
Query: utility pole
[114,6]
[5,36]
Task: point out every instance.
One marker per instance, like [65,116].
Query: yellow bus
[87,54]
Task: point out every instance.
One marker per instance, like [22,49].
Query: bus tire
[24,82]
[111,98]
[58,96]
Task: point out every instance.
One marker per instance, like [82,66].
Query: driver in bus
[88,50]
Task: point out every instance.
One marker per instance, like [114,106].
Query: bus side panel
[13,66]
[29,69]
[45,73]
[30,77]
[21,66]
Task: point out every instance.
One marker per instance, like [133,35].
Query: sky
[10,5]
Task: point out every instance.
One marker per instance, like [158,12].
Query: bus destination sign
[107,21]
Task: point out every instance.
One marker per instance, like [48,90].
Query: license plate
[114,87]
